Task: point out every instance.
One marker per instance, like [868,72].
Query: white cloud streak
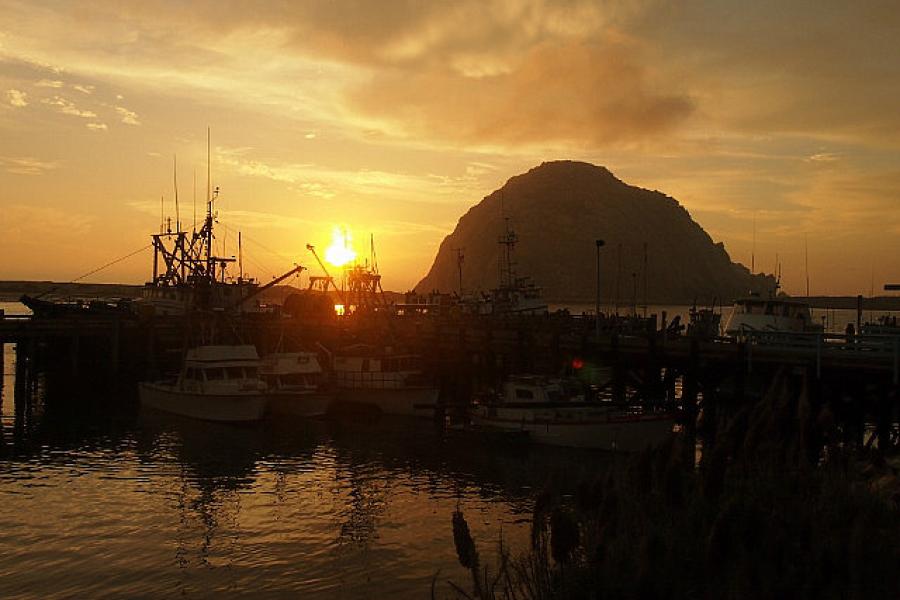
[17,98]
[67,107]
[128,117]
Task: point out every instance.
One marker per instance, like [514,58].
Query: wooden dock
[635,362]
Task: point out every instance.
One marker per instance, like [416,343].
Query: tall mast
[175,183]
[208,197]
[508,243]
[210,262]
[240,259]
[753,248]
[806,261]
[645,279]
[618,275]
[460,258]
[194,221]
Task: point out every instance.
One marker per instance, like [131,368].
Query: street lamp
[597,308]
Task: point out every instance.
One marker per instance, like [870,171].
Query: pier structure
[632,360]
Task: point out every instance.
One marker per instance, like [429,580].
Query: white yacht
[554,412]
[216,383]
[393,383]
[295,383]
[775,314]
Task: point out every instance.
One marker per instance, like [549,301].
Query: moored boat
[755,314]
[555,413]
[392,383]
[295,382]
[216,383]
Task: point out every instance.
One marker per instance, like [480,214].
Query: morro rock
[558,210]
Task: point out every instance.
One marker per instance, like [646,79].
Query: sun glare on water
[340,252]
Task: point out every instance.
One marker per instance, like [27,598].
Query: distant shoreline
[11,291]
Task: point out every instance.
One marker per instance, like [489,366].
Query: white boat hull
[299,404]
[411,401]
[210,407]
[629,433]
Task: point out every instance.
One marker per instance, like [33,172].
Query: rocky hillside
[559,209]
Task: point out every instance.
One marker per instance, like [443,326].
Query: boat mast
[806,261]
[646,260]
[507,268]
[194,220]
[753,248]
[207,227]
[618,275]
[460,258]
[175,183]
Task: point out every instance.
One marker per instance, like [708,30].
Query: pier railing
[871,349]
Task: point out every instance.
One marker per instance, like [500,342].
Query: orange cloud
[593,93]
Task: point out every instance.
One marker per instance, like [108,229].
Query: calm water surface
[100,499]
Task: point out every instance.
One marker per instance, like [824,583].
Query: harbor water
[100,499]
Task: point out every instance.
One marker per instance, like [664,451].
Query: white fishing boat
[555,413]
[392,383]
[216,383]
[296,384]
[755,314]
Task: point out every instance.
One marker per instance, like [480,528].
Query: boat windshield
[524,394]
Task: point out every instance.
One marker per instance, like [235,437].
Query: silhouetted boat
[757,314]
[216,383]
[392,383]
[555,413]
[295,382]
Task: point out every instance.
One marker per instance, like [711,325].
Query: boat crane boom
[312,249]
[296,270]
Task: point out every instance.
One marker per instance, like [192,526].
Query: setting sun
[340,252]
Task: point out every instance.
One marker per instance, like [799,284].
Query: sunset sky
[393,117]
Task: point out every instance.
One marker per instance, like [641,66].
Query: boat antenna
[194,223]
[175,183]
[240,259]
[208,196]
[372,250]
[753,248]
[645,279]
[806,261]
[618,275]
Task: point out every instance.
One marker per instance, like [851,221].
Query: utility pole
[634,293]
[646,263]
[599,243]
[618,276]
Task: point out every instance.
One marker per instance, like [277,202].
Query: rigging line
[111,263]
[261,245]
[261,265]
[97,270]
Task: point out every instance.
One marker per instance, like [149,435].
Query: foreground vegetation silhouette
[775,508]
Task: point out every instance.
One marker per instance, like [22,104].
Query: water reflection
[135,503]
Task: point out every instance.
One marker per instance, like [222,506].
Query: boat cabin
[221,369]
[539,390]
[289,370]
[363,366]
[769,314]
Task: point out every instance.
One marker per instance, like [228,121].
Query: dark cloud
[594,93]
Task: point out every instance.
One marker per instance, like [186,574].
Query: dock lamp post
[597,307]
